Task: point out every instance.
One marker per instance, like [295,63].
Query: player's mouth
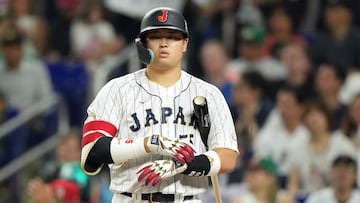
[163,54]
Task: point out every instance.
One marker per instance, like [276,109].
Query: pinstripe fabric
[138,107]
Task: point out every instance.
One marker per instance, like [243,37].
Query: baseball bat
[202,115]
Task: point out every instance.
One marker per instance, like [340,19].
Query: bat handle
[201,112]
[216,187]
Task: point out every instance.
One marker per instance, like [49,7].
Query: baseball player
[142,124]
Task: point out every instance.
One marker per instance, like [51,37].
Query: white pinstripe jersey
[139,107]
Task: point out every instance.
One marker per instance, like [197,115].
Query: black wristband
[200,166]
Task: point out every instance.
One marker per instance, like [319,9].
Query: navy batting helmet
[163,17]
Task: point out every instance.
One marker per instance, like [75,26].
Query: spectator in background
[343,181]
[23,81]
[4,7]
[219,21]
[94,40]
[261,183]
[249,13]
[3,109]
[12,142]
[328,82]
[3,118]
[62,180]
[282,31]
[59,42]
[341,44]
[21,14]
[209,20]
[283,130]
[351,127]
[298,64]
[350,87]
[92,35]
[251,58]
[100,192]
[351,124]
[311,159]
[214,60]
[298,9]
[250,109]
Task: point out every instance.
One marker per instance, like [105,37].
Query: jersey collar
[180,86]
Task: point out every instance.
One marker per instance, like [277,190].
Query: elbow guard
[206,164]
[94,131]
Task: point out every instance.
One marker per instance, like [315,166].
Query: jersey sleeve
[222,132]
[103,118]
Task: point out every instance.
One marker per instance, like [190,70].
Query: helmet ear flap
[146,56]
[142,38]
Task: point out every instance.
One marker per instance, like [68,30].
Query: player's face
[168,47]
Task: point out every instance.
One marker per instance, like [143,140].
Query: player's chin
[163,62]
[161,58]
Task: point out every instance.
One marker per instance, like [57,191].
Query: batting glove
[153,173]
[182,151]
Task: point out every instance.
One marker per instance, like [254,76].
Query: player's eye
[154,37]
[175,37]
[168,37]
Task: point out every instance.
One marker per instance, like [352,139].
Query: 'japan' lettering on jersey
[139,107]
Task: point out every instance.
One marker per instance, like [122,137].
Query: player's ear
[185,44]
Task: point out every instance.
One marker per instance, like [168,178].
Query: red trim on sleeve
[100,125]
[90,138]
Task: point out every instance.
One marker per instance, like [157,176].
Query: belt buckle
[151,199]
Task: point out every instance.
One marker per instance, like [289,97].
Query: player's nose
[163,43]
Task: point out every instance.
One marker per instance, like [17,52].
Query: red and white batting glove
[180,150]
[153,173]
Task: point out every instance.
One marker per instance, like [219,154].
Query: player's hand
[153,173]
[180,150]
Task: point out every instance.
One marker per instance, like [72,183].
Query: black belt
[158,197]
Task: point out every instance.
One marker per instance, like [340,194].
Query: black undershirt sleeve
[100,153]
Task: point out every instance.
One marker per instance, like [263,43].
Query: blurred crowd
[289,70]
